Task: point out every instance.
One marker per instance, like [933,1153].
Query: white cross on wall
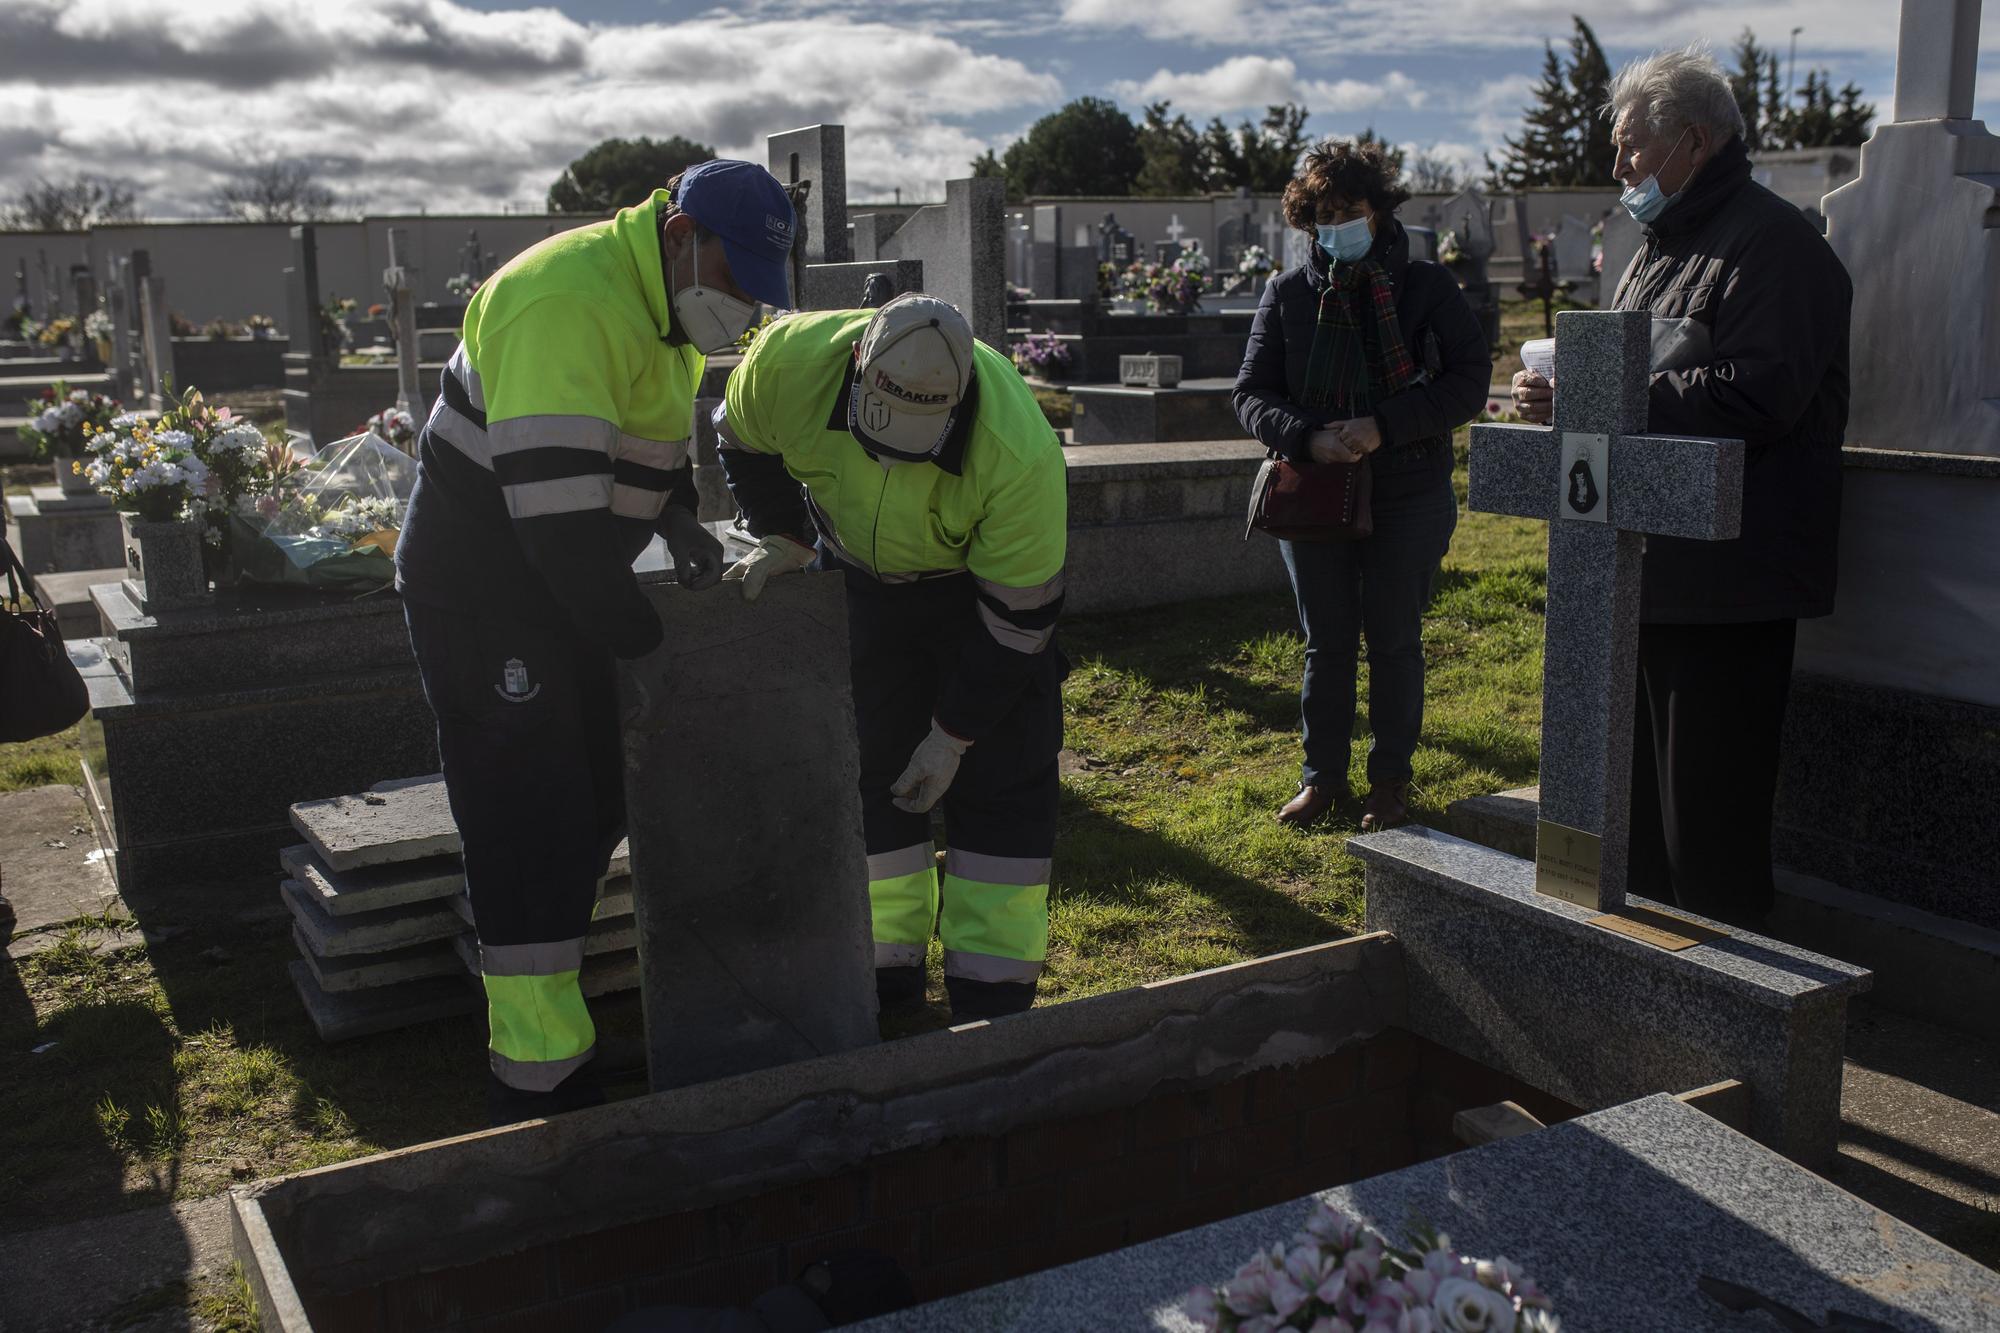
[1274,233]
[1176,230]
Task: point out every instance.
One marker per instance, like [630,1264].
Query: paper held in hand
[1539,355]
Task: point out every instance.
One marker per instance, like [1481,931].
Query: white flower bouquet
[146,469]
[61,420]
[337,523]
[1338,1276]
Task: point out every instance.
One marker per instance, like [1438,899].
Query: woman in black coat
[1401,361]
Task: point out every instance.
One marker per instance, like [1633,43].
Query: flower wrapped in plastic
[334,523]
[1338,1276]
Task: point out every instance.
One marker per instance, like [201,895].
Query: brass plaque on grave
[1566,863]
[1663,930]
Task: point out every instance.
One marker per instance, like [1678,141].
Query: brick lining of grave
[971,1212]
[386,940]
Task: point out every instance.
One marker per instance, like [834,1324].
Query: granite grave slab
[741,772]
[1617,1215]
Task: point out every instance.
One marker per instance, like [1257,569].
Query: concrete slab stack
[382,922]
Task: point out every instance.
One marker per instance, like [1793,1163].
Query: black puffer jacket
[1775,301]
[1438,327]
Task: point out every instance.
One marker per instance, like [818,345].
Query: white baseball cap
[914,366]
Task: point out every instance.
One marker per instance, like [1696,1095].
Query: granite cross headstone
[1602,483]
[403,320]
[156,341]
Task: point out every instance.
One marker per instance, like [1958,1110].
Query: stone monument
[742,790]
[1646,997]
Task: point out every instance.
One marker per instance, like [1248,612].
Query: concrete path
[141,1270]
[50,868]
[1920,1128]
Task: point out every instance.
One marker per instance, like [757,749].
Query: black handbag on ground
[41,692]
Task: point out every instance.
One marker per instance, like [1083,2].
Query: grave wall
[230,270]
[969,1154]
[971,1212]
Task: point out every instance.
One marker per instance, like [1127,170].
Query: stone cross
[1274,234]
[1937,60]
[21,284]
[403,318]
[1175,230]
[1602,484]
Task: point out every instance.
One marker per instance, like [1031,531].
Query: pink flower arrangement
[1338,1276]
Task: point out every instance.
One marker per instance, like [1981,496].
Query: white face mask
[712,320]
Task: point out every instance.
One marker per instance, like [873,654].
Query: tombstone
[1115,245]
[403,322]
[1604,484]
[845,286]
[742,789]
[1469,217]
[1925,376]
[302,299]
[120,306]
[156,343]
[1622,239]
[21,285]
[83,286]
[816,157]
[864,237]
[963,248]
[1645,998]
[472,261]
[1276,232]
[1045,251]
[1571,247]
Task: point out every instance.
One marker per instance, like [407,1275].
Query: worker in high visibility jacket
[935,484]
[556,450]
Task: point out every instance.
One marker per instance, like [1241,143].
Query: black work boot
[899,987]
[972,1000]
[509,1105]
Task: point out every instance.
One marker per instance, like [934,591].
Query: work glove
[774,555]
[931,770]
[696,552]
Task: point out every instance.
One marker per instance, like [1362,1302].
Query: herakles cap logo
[895,390]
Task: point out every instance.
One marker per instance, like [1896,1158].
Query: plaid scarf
[1358,357]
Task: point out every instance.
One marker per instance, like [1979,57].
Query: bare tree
[77,204]
[275,189]
[1428,173]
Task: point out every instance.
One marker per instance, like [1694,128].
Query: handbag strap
[17,575]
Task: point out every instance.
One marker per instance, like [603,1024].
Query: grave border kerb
[834,1111]
[1507,884]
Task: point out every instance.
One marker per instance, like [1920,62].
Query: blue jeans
[1380,588]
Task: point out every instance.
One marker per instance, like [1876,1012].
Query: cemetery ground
[138,1071]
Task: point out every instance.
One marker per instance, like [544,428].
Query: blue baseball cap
[744,205]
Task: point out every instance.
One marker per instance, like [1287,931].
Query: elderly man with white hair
[1750,314]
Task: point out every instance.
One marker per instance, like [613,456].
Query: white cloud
[427,104]
[1198,20]
[1251,83]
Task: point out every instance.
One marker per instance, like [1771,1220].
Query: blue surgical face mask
[1347,242]
[1646,201]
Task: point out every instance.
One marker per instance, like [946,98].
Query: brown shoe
[1387,807]
[1309,804]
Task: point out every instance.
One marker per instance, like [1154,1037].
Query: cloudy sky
[476,105]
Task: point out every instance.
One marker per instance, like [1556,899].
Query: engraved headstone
[403,320]
[1602,483]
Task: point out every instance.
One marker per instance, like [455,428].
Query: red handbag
[1311,502]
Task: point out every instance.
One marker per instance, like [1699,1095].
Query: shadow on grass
[1104,860]
[1197,645]
[91,1122]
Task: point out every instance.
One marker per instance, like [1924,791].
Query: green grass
[52,760]
[170,1070]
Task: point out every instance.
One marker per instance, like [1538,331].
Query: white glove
[931,770]
[774,555]
[697,554]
